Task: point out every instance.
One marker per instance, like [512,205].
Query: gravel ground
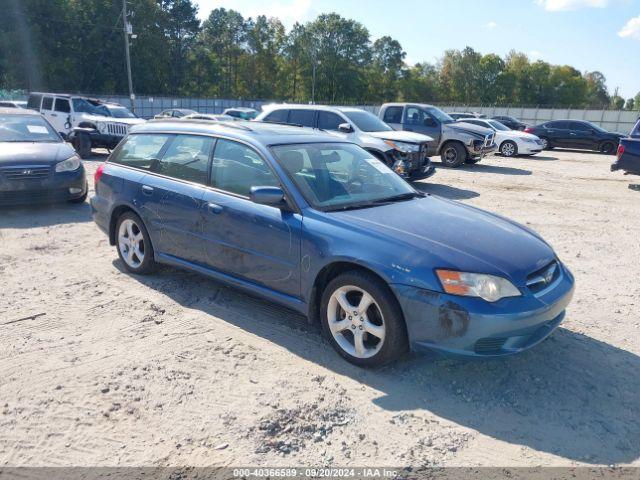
[176,369]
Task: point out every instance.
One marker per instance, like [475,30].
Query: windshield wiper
[400,197]
[374,203]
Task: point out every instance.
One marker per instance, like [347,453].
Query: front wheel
[362,320]
[82,145]
[546,144]
[133,244]
[453,155]
[508,149]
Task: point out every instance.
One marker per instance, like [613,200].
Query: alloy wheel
[508,149]
[131,243]
[356,322]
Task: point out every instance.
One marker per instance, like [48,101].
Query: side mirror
[272,196]
[430,122]
[345,128]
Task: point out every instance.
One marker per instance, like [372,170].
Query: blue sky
[587,34]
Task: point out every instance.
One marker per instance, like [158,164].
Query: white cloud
[491,25]
[631,29]
[535,55]
[565,5]
[288,11]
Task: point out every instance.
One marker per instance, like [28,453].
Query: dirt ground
[176,369]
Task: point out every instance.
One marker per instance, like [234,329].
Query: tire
[608,148]
[546,144]
[383,315]
[82,144]
[453,154]
[508,149]
[83,198]
[130,225]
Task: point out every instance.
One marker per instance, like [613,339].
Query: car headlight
[488,287]
[68,165]
[529,140]
[403,146]
[102,127]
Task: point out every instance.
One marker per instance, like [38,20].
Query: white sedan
[510,142]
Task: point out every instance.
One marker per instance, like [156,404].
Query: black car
[36,165]
[576,134]
[511,122]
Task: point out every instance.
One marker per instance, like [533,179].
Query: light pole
[127,32]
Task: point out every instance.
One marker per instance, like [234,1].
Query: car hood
[33,153]
[400,136]
[519,134]
[100,118]
[434,232]
[468,128]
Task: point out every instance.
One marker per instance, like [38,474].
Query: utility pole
[127,31]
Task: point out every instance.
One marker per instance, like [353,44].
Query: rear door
[559,133]
[258,243]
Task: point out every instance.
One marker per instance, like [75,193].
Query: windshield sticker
[378,165]
[37,129]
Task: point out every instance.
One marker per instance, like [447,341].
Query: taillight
[620,151]
[528,130]
[97,175]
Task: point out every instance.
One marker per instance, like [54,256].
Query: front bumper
[481,152]
[55,187]
[529,148]
[455,326]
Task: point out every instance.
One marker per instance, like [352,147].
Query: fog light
[74,190]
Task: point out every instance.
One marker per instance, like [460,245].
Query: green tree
[385,69]
[630,105]
[617,102]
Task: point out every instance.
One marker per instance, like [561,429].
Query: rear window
[636,131]
[141,151]
[279,116]
[306,118]
[34,102]
[393,115]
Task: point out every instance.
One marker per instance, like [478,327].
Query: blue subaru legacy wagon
[318,225]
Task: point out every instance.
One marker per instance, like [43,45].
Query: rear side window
[186,158]
[306,118]
[141,151]
[34,102]
[47,103]
[329,121]
[393,115]
[279,116]
[236,168]
[579,126]
[62,105]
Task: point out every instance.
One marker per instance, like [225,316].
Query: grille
[489,345]
[541,279]
[27,172]
[117,129]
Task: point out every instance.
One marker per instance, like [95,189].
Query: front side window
[34,102]
[439,115]
[415,116]
[339,175]
[329,121]
[186,158]
[141,151]
[26,128]
[236,168]
[62,105]
[306,118]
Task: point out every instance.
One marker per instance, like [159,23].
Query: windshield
[335,176]
[85,106]
[439,115]
[120,112]
[498,126]
[24,128]
[367,122]
[636,130]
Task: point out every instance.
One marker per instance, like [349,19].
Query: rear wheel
[362,320]
[508,149]
[133,244]
[453,155]
[608,148]
[82,144]
[546,145]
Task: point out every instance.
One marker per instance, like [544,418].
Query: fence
[612,120]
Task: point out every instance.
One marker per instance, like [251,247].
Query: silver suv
[404,152]
[455,142]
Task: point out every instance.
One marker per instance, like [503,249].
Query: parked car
[628,155]
[312,222]
[211,117]
[461,116]
[36,165]
[510,142]
[242,113]
[86,122]
[12,104]
[456,143]
[175,113]
[576,134]
[511,122]
[404,152]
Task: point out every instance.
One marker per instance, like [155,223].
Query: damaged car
[313,222]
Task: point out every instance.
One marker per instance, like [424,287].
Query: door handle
[214,208]
[147,190]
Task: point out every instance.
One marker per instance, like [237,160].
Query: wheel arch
[448,142]
[116,213]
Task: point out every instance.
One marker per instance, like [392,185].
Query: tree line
[78,45]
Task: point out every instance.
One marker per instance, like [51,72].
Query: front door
[60,116]
[255,242]
[418,120]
